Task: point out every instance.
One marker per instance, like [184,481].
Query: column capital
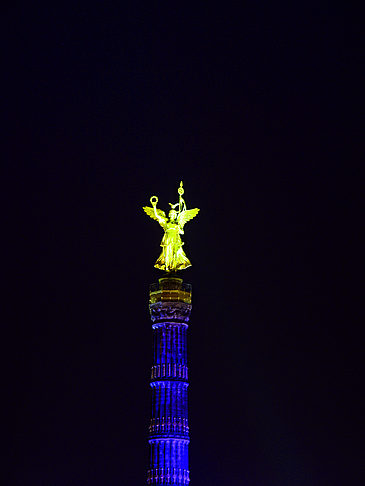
[170,311]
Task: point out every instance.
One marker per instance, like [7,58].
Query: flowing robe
[172,257]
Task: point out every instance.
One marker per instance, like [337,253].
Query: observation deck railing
[160,293]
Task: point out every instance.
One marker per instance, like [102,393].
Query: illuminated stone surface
[170,307]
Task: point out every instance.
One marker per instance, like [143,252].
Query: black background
[254,108]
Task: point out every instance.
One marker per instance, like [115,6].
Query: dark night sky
[252,107]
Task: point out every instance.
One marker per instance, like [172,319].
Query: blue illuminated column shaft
[170,307]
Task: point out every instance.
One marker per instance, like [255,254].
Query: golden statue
[172,257]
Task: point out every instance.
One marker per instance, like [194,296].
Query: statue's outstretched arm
[155,213]
[154,201]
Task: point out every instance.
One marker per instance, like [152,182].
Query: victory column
[170,307]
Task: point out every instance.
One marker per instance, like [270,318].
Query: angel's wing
[151,214]
[186,216]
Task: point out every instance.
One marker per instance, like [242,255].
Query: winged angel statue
[172,257]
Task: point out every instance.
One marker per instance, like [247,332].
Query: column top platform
[170,289]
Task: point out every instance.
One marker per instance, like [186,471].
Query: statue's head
[172,214]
